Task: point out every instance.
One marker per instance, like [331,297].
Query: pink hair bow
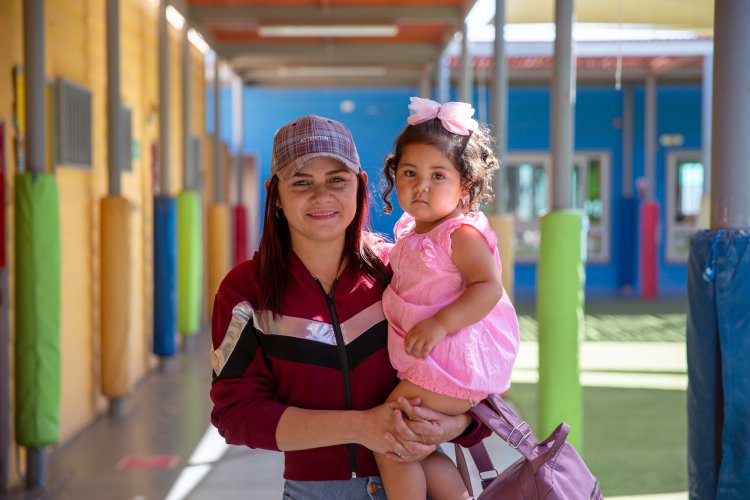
[456,117]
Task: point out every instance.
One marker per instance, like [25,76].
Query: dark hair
[472,156]
[276,245]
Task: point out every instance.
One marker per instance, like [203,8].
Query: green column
[189,262]
[37,309]
[560,298]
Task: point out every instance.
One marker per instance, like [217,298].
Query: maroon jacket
[321,353]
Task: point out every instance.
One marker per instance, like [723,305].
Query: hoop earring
[279,213]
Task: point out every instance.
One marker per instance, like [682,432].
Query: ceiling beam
[254,14]
[309,53]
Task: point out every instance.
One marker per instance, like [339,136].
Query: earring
[279,213]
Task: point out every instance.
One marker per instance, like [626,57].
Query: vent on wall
[126,148]
[194,179]
[72,124]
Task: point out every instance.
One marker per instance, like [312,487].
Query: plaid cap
[311,137]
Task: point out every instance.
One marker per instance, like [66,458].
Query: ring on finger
[398,454]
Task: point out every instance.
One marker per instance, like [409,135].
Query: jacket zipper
[341,347]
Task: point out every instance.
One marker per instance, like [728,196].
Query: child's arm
[474,260]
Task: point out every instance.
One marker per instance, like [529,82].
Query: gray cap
[311,137]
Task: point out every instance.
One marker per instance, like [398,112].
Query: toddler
[453,332]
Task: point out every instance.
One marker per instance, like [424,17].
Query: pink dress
[471,362]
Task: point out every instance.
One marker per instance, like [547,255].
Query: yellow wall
[76,50]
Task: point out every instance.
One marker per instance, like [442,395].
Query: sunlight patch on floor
[210,449]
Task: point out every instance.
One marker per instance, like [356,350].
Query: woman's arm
[301,429]
[473,258]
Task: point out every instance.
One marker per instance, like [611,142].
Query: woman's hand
[379,425]
[376,429]
[424,425]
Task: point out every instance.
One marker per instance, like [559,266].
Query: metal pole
[627,141]
[114,110]
[34,81]
[163,98]
[239,162]
[499,112]
[443,79]
[466,73]
[36,157]
[649,136]
[563,104]
[188,180]
[425,89]
[706,92]
[218,167]
[730,149]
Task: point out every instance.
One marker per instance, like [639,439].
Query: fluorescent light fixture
[368,30]
[198,41]
[175,18]
[331,71]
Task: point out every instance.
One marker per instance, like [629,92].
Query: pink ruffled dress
[467,364]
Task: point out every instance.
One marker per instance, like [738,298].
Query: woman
[300,356]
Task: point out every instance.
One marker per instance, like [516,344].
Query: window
[524,192]
[591,195]
[685,180]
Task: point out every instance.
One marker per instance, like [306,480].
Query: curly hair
[472,155]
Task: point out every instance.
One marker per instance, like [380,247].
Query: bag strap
[508,426]
[463,469]
[560,434]
[505,410]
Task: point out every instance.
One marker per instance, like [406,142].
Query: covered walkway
[163,447]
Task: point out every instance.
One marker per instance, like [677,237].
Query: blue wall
[597,126]
[380,114]
[678,112]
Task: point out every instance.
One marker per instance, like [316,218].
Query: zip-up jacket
[325,352]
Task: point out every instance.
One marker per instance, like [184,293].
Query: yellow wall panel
[77,349]
[70,32]
[135,21]
[76,50]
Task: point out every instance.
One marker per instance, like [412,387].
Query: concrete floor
[164,423]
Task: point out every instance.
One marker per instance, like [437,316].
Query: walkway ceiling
[382,42]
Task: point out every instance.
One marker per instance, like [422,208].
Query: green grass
[620,321]
[634,440]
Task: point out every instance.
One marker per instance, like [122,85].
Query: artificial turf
[634,440]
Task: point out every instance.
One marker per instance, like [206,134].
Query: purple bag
[552,469]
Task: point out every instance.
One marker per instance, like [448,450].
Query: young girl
[453,333]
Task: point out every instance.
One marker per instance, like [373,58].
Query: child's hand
[425,335]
